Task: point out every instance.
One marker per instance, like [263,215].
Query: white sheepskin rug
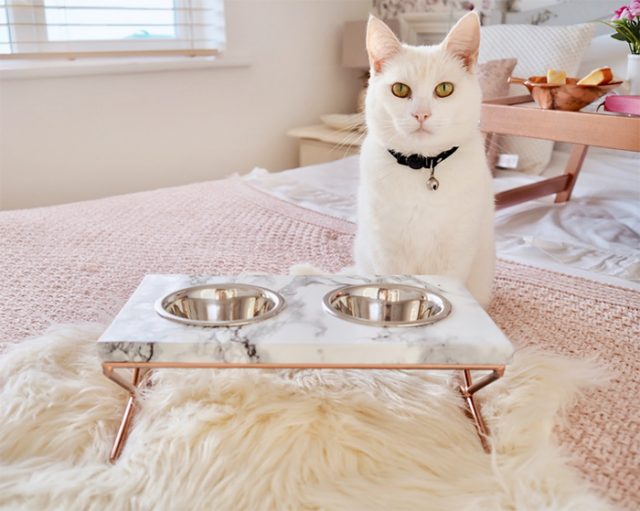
[257,439]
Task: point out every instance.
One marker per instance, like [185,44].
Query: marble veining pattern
[303,332]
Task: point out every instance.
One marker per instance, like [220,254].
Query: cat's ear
[382,43]
[463,40]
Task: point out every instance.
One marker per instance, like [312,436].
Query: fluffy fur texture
[404,228]
[251,440]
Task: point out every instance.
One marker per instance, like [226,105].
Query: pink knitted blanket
[80,262]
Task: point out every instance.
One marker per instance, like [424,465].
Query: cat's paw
[305,269]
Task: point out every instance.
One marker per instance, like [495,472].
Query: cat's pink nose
[420,116]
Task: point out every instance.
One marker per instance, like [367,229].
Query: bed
[80,262]
[568,277]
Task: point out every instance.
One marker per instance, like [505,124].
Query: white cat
[424,101]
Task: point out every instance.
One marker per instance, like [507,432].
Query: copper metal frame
[140,372]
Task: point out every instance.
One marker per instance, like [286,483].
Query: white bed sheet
[596,235]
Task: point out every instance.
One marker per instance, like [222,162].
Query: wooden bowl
[569,96]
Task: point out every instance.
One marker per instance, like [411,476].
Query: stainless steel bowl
[220,305]
[387,305]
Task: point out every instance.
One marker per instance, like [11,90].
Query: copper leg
[141,377]
[123,430]
[468,390]
[138,377]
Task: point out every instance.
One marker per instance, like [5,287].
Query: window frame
[34,34]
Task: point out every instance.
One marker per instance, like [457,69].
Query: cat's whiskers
[350,138]
[391,140]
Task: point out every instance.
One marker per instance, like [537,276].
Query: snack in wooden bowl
[574,94]
[600,76]
[556,77]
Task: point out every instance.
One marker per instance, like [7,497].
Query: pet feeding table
[306,322]
[520,116]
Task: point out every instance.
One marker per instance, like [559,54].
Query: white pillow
[537,49]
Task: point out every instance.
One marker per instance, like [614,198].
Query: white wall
[80,137]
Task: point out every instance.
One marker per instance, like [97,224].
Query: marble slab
[304,333]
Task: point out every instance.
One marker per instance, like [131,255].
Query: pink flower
[622,13]
[618,12]
[634,8]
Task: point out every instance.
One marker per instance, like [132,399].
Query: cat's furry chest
[407,227]
[395,194]
[404,211]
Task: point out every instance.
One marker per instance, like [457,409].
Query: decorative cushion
[493,77]
[537,49]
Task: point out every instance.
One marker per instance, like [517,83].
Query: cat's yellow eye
[444,89]
[401,90]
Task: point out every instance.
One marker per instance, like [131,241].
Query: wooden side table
[519,116]
[320,143]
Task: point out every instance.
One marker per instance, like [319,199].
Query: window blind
[95,28]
